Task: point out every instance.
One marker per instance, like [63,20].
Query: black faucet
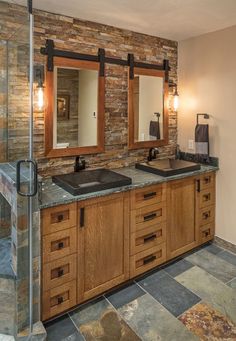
[79,164]
[152,154]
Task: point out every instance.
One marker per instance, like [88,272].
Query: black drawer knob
[60,272]
[60,300]
[60,245]
[60,217]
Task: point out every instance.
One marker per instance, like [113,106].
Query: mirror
[75,111]
[148,112]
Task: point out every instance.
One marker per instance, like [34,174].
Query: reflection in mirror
[75,107]
[148,106]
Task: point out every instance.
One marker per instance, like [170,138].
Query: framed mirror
[147,109]
[74,116]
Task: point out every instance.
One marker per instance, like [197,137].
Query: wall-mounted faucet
[152,154]
[79,164]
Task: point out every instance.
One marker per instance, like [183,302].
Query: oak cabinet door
[182,204]
[103,249]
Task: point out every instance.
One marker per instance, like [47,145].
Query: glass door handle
[34,169]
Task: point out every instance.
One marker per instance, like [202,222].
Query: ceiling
[172,19]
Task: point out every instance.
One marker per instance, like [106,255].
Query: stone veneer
[19,240]
[86,37]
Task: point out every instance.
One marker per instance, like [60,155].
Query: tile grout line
[178,283]
[225,283]
[177,318]
[77,328]
[122,316]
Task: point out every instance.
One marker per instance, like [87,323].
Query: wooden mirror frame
[131,118]
[49,110]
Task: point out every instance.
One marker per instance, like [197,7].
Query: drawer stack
[148,228]
[207,207]
[59,259]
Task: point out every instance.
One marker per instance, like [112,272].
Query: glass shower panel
[14,145]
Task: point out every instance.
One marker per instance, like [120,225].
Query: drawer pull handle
[82,217]
[149,238]
[60,245]
[207,197]
[60,272]
[149,259]
[60,217]
[198,183]
[149,216]
[149,195]
[207,233]
[60,300]
[207,180]
[206,215]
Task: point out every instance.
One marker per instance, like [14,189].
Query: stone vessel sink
[168,167]
[88,181]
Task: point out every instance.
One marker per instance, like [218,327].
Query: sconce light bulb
[40,98]
[176,102]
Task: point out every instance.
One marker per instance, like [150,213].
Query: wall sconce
[175,95]
[39,90]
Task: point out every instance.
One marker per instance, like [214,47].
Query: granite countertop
[53,195]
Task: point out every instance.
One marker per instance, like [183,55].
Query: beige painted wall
[207,83]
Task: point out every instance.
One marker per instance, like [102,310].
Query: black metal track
[51,52]
[30,6]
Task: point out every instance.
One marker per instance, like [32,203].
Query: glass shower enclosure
[18,173]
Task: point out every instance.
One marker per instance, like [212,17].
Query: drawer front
[60,244]
[58,218]
[207,232]
[147,238]
[147,196]
[59,272]
[207,197]
[207,180]
[206,215]
[58,300]
[147,216]
[147,259]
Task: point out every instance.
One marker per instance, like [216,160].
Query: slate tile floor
[192,298]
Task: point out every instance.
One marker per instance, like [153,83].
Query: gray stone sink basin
[88,181]
[168,167]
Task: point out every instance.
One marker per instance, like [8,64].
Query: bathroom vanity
[94,242]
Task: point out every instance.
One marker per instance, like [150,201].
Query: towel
[154,129]
[202,139]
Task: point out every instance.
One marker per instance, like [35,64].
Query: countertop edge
[204,169]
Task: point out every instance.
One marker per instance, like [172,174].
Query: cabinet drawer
[206,215]
[59,272]
[207,180]
[59,299]
[147,196]
[207,232]
[207,197]
[147,259]
[147,238]
[58,218]
[60,244]
[147,216]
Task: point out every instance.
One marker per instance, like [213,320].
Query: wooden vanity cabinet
[103,244]
[148,228]
[182,230]
[190,213]
[91,246]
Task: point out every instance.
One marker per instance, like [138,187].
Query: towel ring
[157,115]
[205,115]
